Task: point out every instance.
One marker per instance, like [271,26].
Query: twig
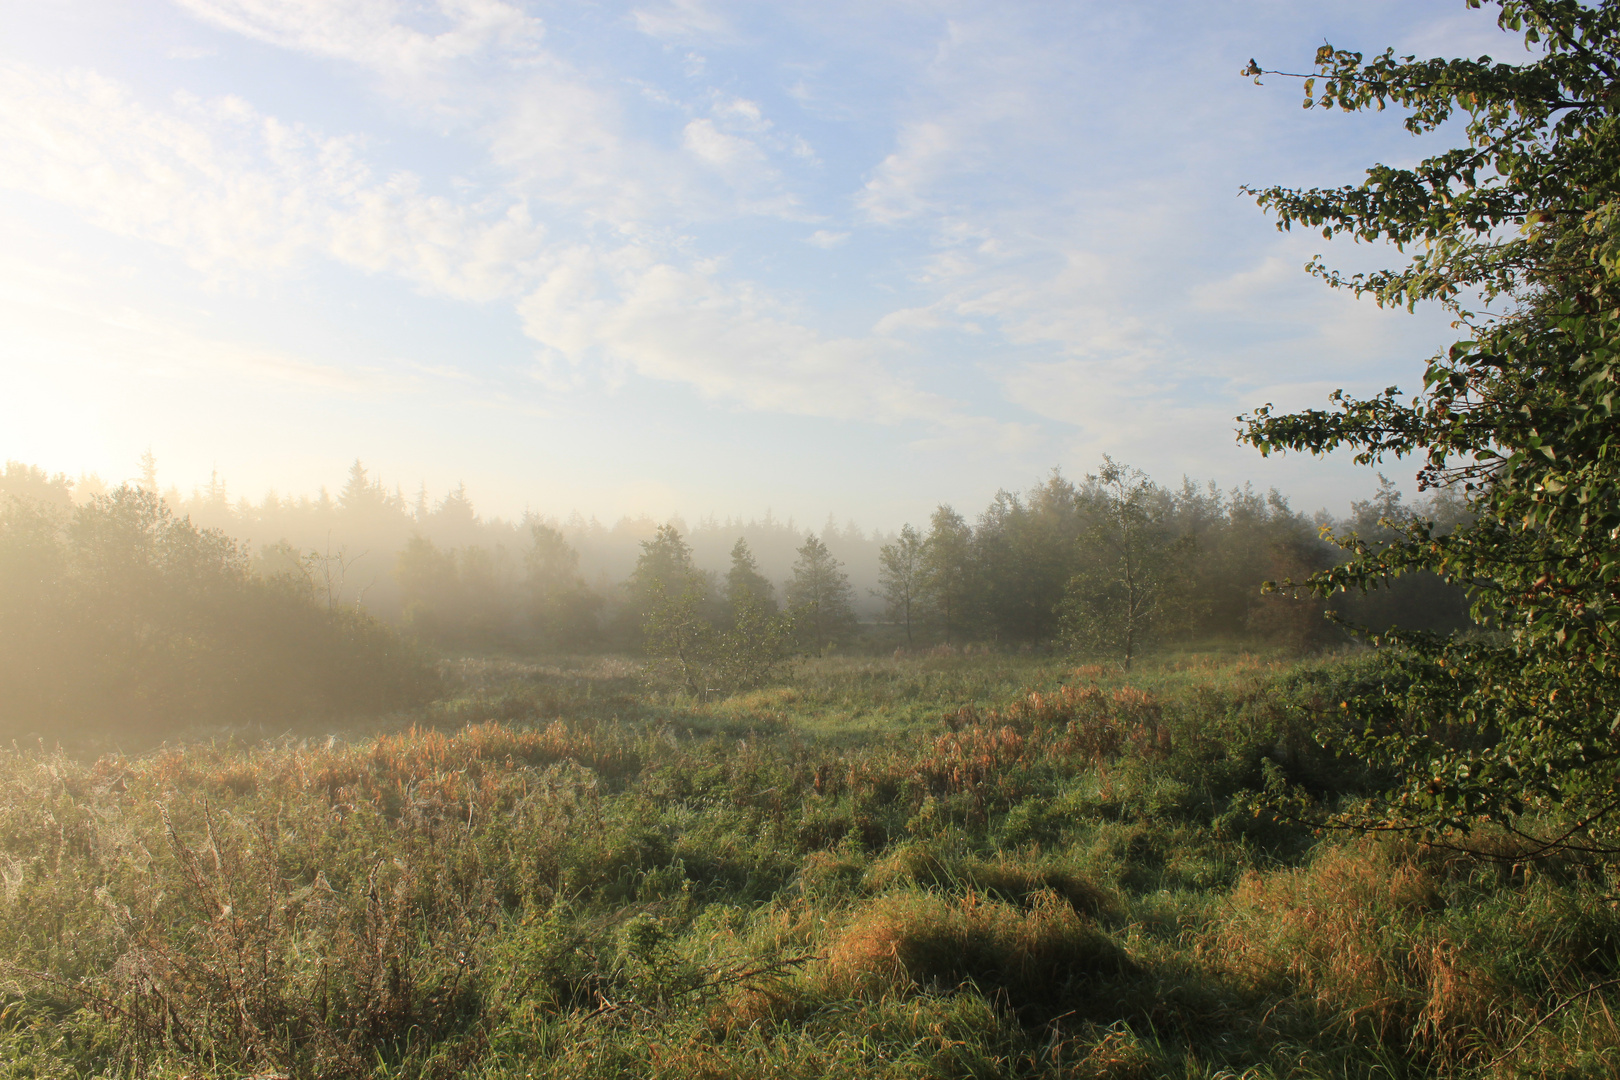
[734,977]
[1561,1006]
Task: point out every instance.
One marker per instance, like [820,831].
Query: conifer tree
[746,587]
[820,597]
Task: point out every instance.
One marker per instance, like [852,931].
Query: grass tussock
[1043,956]
[1017,881]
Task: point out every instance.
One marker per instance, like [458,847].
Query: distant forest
[1017,574]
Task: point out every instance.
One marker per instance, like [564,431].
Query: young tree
[900,572]
[562,608]
[746,588]
[820,597]
[1524,215]
[948,570]
[1130,585]
[757,638]
[673,594]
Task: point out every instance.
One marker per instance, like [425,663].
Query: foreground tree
[1520,416]
[1132,566]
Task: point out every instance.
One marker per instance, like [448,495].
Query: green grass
[927,866]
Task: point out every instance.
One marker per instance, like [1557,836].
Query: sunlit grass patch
[1043,957]
[1359,934]
[1017,880]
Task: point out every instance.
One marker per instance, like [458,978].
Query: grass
[925,866]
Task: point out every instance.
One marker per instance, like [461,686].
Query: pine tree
[746,587]
[820,597]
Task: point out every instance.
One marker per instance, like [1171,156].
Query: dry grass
[1046,885]
[1042,957]
[1352,932]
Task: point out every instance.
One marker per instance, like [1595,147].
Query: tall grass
[1031,871]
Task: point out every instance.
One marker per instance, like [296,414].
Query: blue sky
[683,257]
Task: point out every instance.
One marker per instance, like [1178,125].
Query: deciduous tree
[1524,216]
[1129,586]
[948,571]
[900,572]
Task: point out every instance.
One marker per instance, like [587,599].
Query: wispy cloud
[625,311]
[826,240]
[237,191]
[683,20]
[375,33]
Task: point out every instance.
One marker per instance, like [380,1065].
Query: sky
[685,256]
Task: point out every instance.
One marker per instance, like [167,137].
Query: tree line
[1115,562]
[1104,566]
[366,526]
[119,616]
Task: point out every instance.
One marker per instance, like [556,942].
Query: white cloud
[238,191]
[741,114]
[899,187]
[627,311]
[713,146]
[683,20]
[980,101]
[374,33]
[826,240]
[1244,290]
[562,141]
[566,142]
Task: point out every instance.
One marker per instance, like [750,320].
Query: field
[939,865]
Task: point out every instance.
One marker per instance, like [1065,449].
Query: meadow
[928,865]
